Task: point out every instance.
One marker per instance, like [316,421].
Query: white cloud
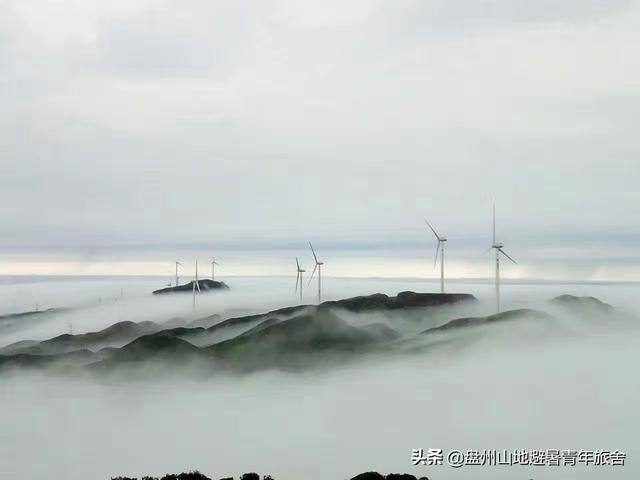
[301,120]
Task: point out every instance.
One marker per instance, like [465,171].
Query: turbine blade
[432,229]
[494,223]
[298,263]
[297,281]
[314,252]
[315,267]
[505,254]
[435,260]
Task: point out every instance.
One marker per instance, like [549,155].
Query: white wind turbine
[498,247]
[300,271]
[177,278]
[213,268]
[317,266]
[439,250]
[196,284]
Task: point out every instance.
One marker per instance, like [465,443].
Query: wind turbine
[498,247]
[300,271]
[177,263]
[196,284]
[439,250]
[317,266]
[213,268]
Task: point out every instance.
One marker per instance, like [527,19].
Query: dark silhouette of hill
[150,347]
[369,476]
[205,286]
[582,305]
[510,315]
[297,337]
[195,475]
[154,355]
[298,342]
[380,301]
[290,337]
[391,476]
[115,335]
[363,304]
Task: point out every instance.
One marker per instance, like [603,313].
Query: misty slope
[508,316]
[115,335]
[586,306]
[282,335]
[287,338]
[378,302]
[288,344]
[16,321]
[63,360]
[291,342]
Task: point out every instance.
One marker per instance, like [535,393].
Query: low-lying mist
[562,380]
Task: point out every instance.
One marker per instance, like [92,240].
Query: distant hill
[582,305]
[205,286]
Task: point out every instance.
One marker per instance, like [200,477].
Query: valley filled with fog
[556,376]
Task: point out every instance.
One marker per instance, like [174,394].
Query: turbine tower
[177,263]
[498,247]
[196,284]
[439,250]
[300,271]
[317,266]
[213,268]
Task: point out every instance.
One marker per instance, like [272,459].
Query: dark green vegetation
[205,285]
[254,476]
[291,338]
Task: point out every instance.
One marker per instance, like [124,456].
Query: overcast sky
[139,131]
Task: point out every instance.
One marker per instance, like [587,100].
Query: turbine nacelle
[299,273]
[317,267]
[439,252]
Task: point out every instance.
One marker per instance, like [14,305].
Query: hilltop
[205,286]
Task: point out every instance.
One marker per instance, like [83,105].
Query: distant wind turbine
[300,271]
[317,266]
[213,268]
[177,278]
[498,247]
[196,284]
[439,250]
